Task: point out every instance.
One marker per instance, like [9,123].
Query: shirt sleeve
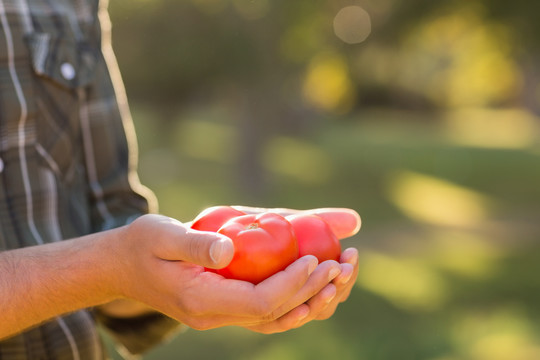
[116,195]
[110,148]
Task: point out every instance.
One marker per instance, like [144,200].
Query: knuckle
[194,246]
[267,311]
[197,247]
[263,310]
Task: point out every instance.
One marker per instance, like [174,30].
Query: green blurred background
[422,115]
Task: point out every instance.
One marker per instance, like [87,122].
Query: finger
[284,286]
[342,293]
[343,222]
[347,271]
[258,210]
[344,284]
[324,302]
[255,302]
[303,307]
[346,281]
[328,311]
[321,277]
[180,243]
[291,320]
[349,255]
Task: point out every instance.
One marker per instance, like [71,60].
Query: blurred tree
[282,66]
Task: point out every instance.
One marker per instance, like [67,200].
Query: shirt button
[68,71]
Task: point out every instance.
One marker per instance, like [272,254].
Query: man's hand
[167,258]
[159,262]
[345,223]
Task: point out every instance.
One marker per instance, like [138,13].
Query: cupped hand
[163,264]
[344,223]
[163,267]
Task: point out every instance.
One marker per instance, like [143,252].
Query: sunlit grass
[464,254]
[436,201]
[503,334]
[206,140]
[405,282]
[298,160]
[488,128]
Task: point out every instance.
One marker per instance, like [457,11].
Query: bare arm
[38,283]
[158,262]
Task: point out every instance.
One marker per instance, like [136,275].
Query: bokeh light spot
[206,140]
[407,283]
[497,129]
[352,24]
[506,333]
[436,201]
[328,84]
[297,160]
[465,254]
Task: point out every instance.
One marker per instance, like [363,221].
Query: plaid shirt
[67,160]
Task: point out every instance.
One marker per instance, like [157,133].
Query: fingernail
[346,279]
[301,317]
[216,250]
[312,266]
[333,273]
[330,298]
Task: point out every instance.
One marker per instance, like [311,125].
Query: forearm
[41,282]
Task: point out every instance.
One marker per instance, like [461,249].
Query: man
[77,245]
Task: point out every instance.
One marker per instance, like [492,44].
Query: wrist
[45,281]
[112,251]
[94,265]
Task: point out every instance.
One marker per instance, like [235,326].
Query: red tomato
[264,244]
[315,237]
[214,217]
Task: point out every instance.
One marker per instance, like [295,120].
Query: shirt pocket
[62,60]
[63,66]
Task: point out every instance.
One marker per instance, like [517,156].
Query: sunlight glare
[207,140]
[298,160]
[328,84]
[407,283]
[488,128]
[503,334]
[352,24]
[432,200]
[465,254]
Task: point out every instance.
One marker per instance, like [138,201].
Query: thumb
[204,248]
[208,249]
